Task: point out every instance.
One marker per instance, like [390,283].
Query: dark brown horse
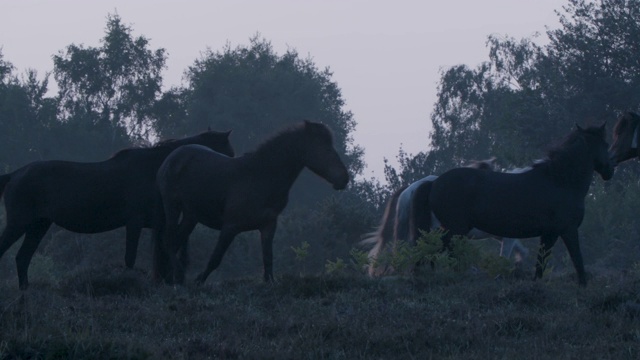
[89,197]
[239,194]
[625,138]
[546,201]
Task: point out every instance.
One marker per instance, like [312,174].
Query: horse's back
[517,205]
[192,170]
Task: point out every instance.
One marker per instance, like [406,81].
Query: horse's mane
[284,140]
[162,144]
[562,160]
[632,118]
[487,164]
[159,144]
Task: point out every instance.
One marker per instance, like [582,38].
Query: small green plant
[335,267]
[360,259]
[496,265]
[402,258]
[465,253]
[302,251]
[548,268]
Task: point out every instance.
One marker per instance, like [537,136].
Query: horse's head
[625,138]
[598,147]
[321,157]
[217,141]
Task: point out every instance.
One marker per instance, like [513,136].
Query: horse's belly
[518,225]
[91,226]
[90,221]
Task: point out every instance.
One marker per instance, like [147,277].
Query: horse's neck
[280,172]
[578,176]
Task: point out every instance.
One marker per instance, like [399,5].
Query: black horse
[403,218]
[545,201]
[625,138]
[239,194]
[89,197]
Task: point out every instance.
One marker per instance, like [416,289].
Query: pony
[239,194]
[403,218]
[90,197]
[546,200]
[625,138]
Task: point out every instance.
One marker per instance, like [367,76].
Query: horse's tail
[383,233]
[420,218]
[4,180]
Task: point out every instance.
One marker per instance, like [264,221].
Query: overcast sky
[386,56]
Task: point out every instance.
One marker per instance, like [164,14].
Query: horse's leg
[267,233]
[185,229]
[227,235]
[165,260]
[571,241]
[134,228]
[546,243]
[35,233]
[160,259]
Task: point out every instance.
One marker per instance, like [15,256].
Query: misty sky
[386,56]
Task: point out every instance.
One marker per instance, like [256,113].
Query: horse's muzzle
[341,184]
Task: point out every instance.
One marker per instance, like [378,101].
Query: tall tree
[108,93]
[26,116]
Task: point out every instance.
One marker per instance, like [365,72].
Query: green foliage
[496,265]
[465,253]
[360,259]
[609,233]
[546,263]
[26,117]
[108,94]
[429,250]
[302,251]
[335,267]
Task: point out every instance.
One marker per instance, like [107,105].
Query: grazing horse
[625,138]
[404,216]
[546,201]
[89,197]
[239,194]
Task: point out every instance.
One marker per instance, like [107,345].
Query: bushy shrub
[610,232]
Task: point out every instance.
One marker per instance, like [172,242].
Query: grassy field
[112,313]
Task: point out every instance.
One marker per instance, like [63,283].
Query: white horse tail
[383,234]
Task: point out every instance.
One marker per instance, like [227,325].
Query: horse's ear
[209,128]
[603,126]
[579,127]
[228,132]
